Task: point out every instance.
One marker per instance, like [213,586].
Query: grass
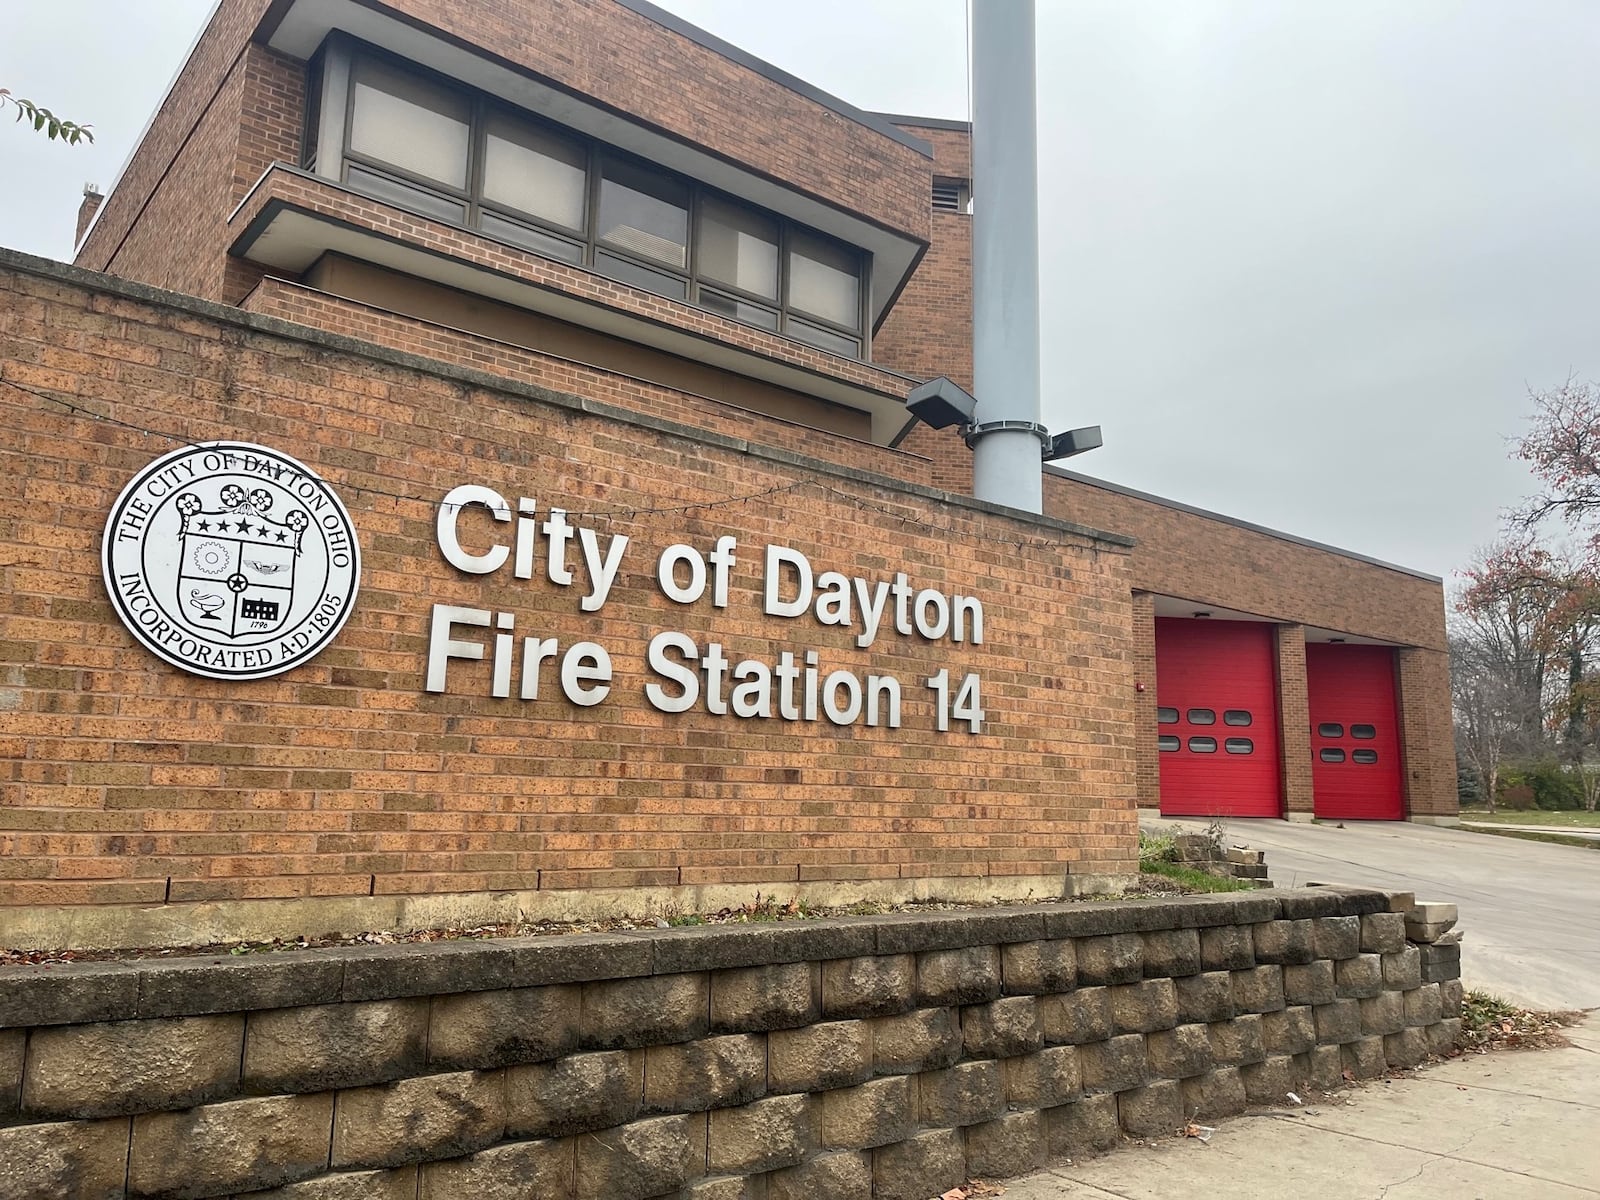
[1535,835]
[1576,818]
[1197,881]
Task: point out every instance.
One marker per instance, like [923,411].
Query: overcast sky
[1301,260]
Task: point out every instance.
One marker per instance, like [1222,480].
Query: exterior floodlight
[941,404]
[1073,441]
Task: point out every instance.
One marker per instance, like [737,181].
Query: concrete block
[641,1159]
[1424,1006]
[1364,1058]
[1076,1017]
[1403,970]
[756,999]
[776,1132]
[816,1058]
[1358,978]
[1043,1080]
[1227,948]
[1283,942]
[68,994]
[387,972]
[1336,937]
[709,1073]
[410,1120]
[1171,953]
[1205,997]
[620,1014]
[877,986]
[725,1187]
[1383,933]
[1115,1064]
[1215,1094]
[1407,1048]
[964,1094]
[1443,1035]
[1400,902]
[1270,1080]
[1155,1110]
[1179,1053]
[13,1045]
[186,986]
[472,1030]
[873,1114]
[1309,983]
[1383,1014]
[1002,1028]
[925,1040]
[84,1160]
[235,1146]
[843,1176]
[1115,958]
[1237,1042]
[919,1167]
[323,1046]
[1038,968]
[1258,990]
[546,1167]
[1010,1145]
[1086,1126]
[968,975]
[1429,920]
[1438,963]
[1323,1067]
[119,1067]
[574,1094]
[1451,992]
[398,1183]
[1144,1006]
[1290,1031]
[1338,1022]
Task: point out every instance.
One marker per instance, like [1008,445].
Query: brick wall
[1294,725]
[847,1059]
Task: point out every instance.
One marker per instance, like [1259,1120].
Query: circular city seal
[231,560]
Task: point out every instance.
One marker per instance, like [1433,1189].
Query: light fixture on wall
[1202,614]
[1334,639]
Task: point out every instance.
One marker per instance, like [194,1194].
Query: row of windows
[432,147]
[1332,754]
[1205,745]
[1204,716]
[1329,729]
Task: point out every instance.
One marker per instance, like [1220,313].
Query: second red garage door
[1216,688]
[1355,732]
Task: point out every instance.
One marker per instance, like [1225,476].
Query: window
[1366,732]
[1331,754]
[534,171]
[1167,743]
[1167,716]
[1203,745]
[1202,716]
[1239,746]
[825,280]
[1236,716]
[404,121]
[644,212]
[1330,730]
[1367,757]
[738,248]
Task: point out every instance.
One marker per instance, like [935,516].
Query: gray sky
[1301,260]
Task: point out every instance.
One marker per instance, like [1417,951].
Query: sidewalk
[1502,1126]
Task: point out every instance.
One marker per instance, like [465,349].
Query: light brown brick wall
[1294,718]
[1145,725]
[1425,731]
[125,780]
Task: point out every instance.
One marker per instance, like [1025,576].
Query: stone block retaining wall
[886,1056]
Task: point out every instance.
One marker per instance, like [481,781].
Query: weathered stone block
[470,1030]
[846,1176]
[776,1132]
[709,1073]
[1283,942]
[756,999]
[517,1169]
[925,1040]
[1438,963]
[1227,948]
[1144,1006]
[1403,969]
[725,1187]
[964,1094]
[619,1014]
[398,1183]
[1115,958]
[1179,1053]
[409,1120]
[118,1067]
[1237,1042]
[1010,1145]
[641,1159]
[1359,977]
[85,1160]
[834,1054]
[1218,1093]
[1364,1057]
[1383,1013]
[1258,990]
[1336,937]
[1443,1035]
[1115,1064]
[324,1046]
[969,975]
[919,1167]
[13,1043]
[1038,968]
[574,1094]
[879,986]
[1338,1022]
[1155,1110]
[1309,983]
[1043,1080]
[235,1146]
[1323,1067]
[1383,933]
[1206,997]
[1428,920]
[1451,992]
[1406,1048]
[873,1114]
[1290,1031]
[1076,1017]
[1170,953]
[1085,1126]
[1423,1005]
[1270,1080]
[1002,1028]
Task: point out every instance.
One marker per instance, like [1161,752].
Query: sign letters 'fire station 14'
[796,686]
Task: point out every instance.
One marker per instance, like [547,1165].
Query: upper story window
[424,143]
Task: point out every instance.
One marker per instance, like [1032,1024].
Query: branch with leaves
[46,122]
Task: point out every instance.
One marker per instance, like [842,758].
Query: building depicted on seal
[602,331]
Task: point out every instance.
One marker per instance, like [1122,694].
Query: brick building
[582,255]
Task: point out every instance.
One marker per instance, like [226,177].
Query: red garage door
[1355,732]
[1218,700]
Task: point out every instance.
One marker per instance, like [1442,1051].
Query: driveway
[1530,910]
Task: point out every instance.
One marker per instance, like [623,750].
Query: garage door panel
[1356,768]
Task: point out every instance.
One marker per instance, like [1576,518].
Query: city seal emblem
[231,560]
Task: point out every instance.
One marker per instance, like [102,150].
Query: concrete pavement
[1504,1126]
[1577,831]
